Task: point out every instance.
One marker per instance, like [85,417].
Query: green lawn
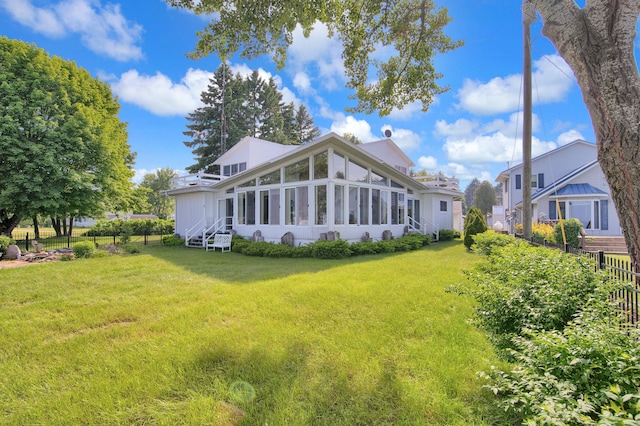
[181,336]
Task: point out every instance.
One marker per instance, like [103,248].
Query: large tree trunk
[36,228]
[597,43]
[8,222]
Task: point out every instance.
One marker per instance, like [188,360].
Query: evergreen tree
[306,130]
[473,224]
[469,191]
[484,197]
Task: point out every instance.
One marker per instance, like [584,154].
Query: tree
[64,150]
[305,128]
[597,41]
[473,224]
[413,28]
[234,108]
[484,197]
[157,183]
[470,191]
[352,138]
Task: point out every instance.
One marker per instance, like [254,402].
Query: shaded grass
[159,338]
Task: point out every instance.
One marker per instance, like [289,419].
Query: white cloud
[407,112]
[406,139]
[429,163]
[103,29]
[348,124]
[453,169]
[159,95]
[569,136]
[302,82]
[552,80]
[139,174]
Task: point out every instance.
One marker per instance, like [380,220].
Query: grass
[181,336]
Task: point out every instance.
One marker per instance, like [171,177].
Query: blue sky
[139,48]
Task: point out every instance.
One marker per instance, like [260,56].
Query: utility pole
[528,16]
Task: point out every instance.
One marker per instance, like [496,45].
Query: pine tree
[306,130]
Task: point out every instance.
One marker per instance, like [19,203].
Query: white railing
[194,230]
[421,226]
[197,179]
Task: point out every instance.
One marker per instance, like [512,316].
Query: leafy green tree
[157,183]
[484,197]
[352,138]
[413,29]
[473,224]
[64,150]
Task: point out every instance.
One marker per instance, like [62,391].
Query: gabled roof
[505,173]
[578,189]
[244,143]
[378,146]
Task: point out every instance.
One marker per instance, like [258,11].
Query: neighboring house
[569,176]
[325,188]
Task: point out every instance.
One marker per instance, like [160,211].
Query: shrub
[363,248]
[446,235]
[132,227]
[338,249]
[238,243]
[543,231]
[131,248]
[4,243]
[473,224]
[84,249]
[256,248]
[521,287]
[279,250]
[585,374]
[572,229]
[486,242]
[172,241]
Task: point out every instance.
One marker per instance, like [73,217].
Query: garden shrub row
[132,227]
[338,249]
[550,314]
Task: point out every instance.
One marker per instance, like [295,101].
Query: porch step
[615,245]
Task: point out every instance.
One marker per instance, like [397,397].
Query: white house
[569,177]
[327,187]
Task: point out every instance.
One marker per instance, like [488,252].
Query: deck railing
[197,179]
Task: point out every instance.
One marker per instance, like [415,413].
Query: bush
[473,224]
[446,235]
[279,250]
[543,231]
[238,243]
[572,229]
[258,248]
[486,242]
[84,249]
[132,227]
[172,241]
[130,248]
[585,374]
[4,243]
[363,248]
[533,288]
[338,249]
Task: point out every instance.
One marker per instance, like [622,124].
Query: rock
[13,253]
[257,236]
[365,237]
[287,239]
[333,235]
[387,235]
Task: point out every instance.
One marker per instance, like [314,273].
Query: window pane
[252,182]
[251,207]
[400,209]
[290,206]
[375,207]
[384,203]
[302,205]
[443,206]
[297,172]
[242,167]
[274,211]
[377,179]
[357,173]
[339,169]
[353,205]
[320,165]
[394,208]
[321,205]
[396,185]
[227,170]
[270,178]
[338,205]
[242,208]
[364,206]
[596,214]
[234,169]
[534,181]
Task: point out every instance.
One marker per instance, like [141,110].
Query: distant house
[327,187]
[569,177]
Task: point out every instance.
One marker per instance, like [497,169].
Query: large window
[297,206]
[233,169]
[297,172]
[377,179]
[321,166]
[443,206]
[247,208]
[353,205]
[357,173]
[321,204]
[339,168]
[364,206]
[379,207]
[270,178]
[264,207]
[397,208]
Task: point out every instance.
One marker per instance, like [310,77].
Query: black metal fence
[616,267]
[50,241]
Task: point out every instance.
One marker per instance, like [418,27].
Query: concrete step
[606,244]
